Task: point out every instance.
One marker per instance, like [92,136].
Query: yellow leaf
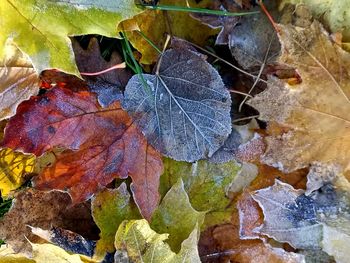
[316,111]
[13,168]
[155,24]
[7,255]
[44,253]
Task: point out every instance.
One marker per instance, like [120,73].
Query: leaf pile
[134,132]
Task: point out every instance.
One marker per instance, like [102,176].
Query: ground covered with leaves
[174,131]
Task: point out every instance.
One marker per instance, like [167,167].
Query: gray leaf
[254,37]
[185,112]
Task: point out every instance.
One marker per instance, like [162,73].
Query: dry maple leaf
[102,144]
[315,111]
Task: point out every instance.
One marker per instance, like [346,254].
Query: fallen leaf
[14,166]
[75,121]
[222,244]
[18,80]
[317,115]
[145,245]
[8,255]
[109,208]
[331,13]
[336,243]
[184,110]
[38,209]
[289,216]
[43,253]
[69,241]
[293,217]
[156,24]
[224,23]
[253,41]
[49,45]
[206,184]
[176,216]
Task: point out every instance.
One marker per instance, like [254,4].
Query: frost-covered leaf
[145,245]
[184,111]
[336,243]
[102,144]
[176,216]
[14,166]
[206,185]
[303,221]
[223,244]
[109,208]
[18,80]
[289,216]
[49,23]
[315,112]
[254,38]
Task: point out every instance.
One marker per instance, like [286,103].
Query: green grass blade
[197,10]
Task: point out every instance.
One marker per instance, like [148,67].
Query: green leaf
[145,245]
[109,208]
[176,216]
[206,184]
[42,28]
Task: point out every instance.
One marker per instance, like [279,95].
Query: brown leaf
[226,246]
[41,209]
[316,111]
[102,144]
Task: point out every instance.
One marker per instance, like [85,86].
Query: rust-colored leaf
[102,144]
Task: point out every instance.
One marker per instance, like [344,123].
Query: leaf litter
[169,164]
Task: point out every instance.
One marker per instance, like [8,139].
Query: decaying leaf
[69,241]
[75,121]
[49,23]
[109,208]
[316,110]
[156,24]
[145,245]
[38,209]
[14,166]
[18,80]
[176,216]
[206,185]
[319,220]
[184,110]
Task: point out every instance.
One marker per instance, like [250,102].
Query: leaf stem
[118,66]
[196,10]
